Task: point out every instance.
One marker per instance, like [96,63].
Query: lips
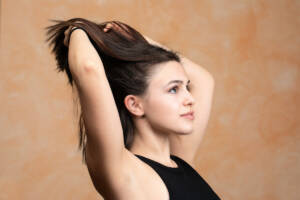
[189,113]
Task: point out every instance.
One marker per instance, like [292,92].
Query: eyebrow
[177,81]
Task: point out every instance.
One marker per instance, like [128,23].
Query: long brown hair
[127,57]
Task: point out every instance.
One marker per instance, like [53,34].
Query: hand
[70,28]
[118,27]
[67,35]
[108,27]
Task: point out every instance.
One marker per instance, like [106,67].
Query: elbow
[209,79]
[83,69]
[89,66]
[210,82]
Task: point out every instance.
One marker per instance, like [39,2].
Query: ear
[134,105]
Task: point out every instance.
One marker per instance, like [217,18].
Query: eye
[173,88]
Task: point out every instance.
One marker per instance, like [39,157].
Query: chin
[186,131]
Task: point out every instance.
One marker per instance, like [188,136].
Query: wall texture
[251,148]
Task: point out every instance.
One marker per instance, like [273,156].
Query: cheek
[164,108]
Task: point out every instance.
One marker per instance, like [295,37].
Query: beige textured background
[252,48]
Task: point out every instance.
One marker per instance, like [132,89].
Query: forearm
[82,53]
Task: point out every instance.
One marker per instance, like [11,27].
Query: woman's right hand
[67,35]
[68,31]
[106,29]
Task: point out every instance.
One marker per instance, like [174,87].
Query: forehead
[166,72]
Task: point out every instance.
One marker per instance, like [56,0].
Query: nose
[189,99]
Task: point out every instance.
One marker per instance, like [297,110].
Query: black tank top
[183,182]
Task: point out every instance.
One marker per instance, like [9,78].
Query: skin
[156,115]
[162,106]
[201,86]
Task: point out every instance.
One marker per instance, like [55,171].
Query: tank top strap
[157,165]
[185,165]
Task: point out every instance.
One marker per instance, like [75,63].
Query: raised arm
[105,146]
[202,87]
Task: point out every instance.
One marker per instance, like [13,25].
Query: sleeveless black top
[183,182]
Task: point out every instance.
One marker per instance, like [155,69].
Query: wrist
[76,30]
[73,29]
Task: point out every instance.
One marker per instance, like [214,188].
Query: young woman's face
[167,98]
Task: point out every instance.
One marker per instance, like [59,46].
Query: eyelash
[188,88]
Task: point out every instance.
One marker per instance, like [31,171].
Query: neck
[151,143]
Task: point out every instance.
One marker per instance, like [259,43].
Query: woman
[144,110]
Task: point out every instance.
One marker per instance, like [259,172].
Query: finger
[69,29]
[108,26]
[65,42]
[67,35]
[66,31]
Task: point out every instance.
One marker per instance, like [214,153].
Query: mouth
[189,115]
